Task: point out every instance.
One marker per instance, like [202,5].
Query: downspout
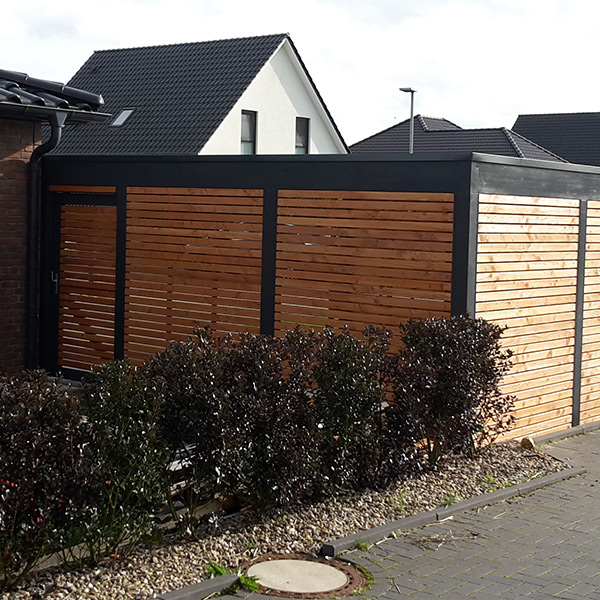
[32,351]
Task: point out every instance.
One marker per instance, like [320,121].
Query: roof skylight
[122,117]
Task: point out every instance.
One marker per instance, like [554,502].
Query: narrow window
[122,117]
[302,135]
[248,132]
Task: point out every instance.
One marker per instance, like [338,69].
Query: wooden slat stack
[193,259]
[362,258]
[590,372]
[87,285]
[526,280]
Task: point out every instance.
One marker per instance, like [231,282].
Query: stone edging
[216,585]
[334,547]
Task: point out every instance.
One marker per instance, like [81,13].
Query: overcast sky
[478,63]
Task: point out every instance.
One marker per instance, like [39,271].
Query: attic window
[122,117]
[302,135]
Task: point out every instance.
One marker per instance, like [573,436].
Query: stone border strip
[216,585]
[565,433]
[334,547]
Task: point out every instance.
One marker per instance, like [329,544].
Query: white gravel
[235,539]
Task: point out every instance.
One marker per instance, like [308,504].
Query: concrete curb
[216,585]
[334,547]
[565,433]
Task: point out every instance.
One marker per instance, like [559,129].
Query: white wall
[279,93]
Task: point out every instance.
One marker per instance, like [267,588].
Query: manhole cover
[301,576]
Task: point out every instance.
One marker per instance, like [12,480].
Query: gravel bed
[234,539]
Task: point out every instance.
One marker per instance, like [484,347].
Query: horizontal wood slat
[526,280]
[590,365]
[362,258]
[193,259]
[84,189]
[87,285]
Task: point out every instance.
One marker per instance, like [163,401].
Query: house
[440,136]
[25,104]
[237,96]
[575,136]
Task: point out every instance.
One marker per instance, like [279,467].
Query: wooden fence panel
[527,280]
[87,286]
[193,259]
[362,258]
[590,357]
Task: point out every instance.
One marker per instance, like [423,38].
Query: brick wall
[17,141]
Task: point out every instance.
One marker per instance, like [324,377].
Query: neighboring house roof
[25,98]
[440,136]
[179,93]
[576,136]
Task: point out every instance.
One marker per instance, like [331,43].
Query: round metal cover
[303,576]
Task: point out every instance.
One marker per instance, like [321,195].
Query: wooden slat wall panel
[193,259]
[362,258]
[526,280]
[87,286]
[590,359]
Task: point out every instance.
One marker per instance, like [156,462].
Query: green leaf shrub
[347,400]
[190,378]
[127,460]
[42,471]
[446,384]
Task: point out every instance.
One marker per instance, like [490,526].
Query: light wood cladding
[193,259]
[87,286]
[526,280]
[590,357]
[362,258]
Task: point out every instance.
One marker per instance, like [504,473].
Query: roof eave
[317,94]
[31,112]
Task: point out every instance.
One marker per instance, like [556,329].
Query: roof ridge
[197,43]
[512,141]
[559,114]
[422,121]
[516,134]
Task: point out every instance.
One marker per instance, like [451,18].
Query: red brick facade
[17,140]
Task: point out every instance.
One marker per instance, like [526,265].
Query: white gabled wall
[279,93]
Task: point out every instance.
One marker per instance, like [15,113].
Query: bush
[127,459]
[190,377]
[446,384]
[269,454]
[271,421]
[41,473]
[347,403]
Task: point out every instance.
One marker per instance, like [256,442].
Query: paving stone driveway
[542,545]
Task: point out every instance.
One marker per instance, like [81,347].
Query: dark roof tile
[449,138]
[575,136]
[194,84]
[22,96]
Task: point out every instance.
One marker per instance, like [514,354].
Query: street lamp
[411,139]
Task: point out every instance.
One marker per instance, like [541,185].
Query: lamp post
[411,138]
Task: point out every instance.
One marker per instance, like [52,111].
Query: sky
[477,63]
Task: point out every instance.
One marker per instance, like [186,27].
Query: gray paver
[543,544]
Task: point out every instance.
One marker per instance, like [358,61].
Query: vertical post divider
[119,343]
[579,309]
[269,262]
[464,249]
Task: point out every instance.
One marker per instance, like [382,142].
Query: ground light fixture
[411,138]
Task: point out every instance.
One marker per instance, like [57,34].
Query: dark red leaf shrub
[447,384]
[42,469]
